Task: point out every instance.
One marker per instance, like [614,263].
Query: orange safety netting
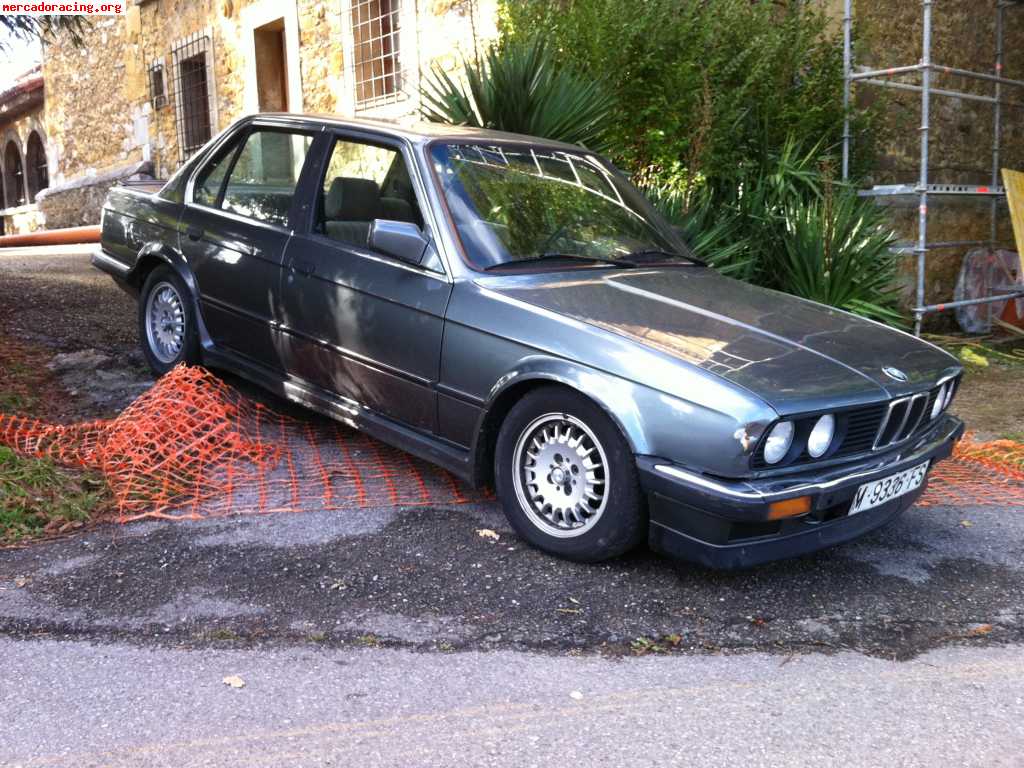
[193,447]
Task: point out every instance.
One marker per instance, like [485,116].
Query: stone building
[23,155]
[150,87]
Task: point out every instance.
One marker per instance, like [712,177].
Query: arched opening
[14,177]
[37,174]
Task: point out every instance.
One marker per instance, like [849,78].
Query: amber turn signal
[789,508]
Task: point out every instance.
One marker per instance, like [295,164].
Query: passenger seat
[349,208]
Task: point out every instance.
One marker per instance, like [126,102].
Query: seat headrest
[352,199]
[396,210]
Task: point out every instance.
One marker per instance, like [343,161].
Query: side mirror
[400,239]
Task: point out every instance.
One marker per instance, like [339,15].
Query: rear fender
[155,254]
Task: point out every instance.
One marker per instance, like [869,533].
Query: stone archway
[13,174]
[37,174]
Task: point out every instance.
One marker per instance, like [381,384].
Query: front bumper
[724,523]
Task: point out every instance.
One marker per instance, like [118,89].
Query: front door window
[364,182]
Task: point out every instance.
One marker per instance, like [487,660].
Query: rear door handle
[194,233]
[304,267]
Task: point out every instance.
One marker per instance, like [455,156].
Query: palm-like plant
[785,224]
[717,239]
[838,251]
[521,87]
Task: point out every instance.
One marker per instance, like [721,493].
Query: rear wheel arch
[154,255]
[157,255]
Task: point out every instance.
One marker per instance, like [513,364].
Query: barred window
[192,93]
[376,70]
[157,94]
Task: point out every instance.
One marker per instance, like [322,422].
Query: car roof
[421,131]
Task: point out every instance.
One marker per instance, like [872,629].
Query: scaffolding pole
[925,69]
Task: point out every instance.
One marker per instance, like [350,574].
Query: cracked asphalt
[391,636]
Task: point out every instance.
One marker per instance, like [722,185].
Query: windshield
[514,203]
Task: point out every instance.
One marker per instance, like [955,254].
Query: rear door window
[261,177]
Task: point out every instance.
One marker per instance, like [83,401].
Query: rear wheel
[167,328]
[567,478]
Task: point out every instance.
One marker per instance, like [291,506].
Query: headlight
[950,387]
[778,442]
[940,401]
[821,436]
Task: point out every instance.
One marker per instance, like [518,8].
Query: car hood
[792,353]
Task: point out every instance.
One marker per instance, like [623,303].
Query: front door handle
[194,233]
[304,267]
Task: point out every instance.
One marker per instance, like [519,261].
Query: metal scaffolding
[925,69]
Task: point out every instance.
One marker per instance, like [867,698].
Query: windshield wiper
[617,263]
[654,252]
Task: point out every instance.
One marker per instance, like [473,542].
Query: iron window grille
[157,91]
[376,66]
[192,82]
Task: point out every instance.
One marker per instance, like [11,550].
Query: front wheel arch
[501,403]
[620,515]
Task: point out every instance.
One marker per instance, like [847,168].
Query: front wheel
[567,478]
[167,328]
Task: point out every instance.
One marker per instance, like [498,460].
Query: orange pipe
[68,236]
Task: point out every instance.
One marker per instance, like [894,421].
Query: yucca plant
[521,87]
[837,250]
[714,235]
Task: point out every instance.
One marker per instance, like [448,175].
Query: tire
[164,294]
[565,435]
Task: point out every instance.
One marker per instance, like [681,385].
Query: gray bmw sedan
[514,310]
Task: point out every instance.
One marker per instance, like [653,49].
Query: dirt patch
[62,302]
[991,401]
[68,347]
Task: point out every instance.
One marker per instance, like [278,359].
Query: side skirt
[423,446]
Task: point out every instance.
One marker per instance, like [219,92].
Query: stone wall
[79,201]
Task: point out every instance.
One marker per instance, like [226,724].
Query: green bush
[701,88]
[521,87]
[786,224]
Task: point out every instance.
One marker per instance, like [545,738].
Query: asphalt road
[388,636]
[125,706]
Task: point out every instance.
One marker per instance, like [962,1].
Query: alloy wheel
[561,475]
[165,322]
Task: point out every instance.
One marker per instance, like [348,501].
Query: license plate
[888,488]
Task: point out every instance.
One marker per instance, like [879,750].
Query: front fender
[616,396]
[653,422]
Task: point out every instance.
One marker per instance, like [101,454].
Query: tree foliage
[700,88]
[23,27]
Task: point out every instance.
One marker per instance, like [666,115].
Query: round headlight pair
[780,439]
